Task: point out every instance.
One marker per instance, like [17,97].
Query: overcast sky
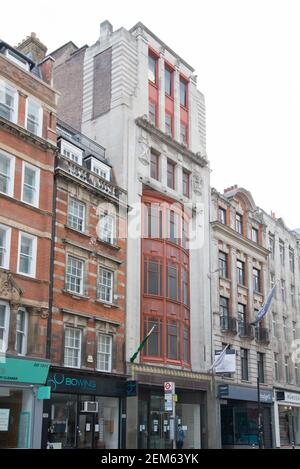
[247,57]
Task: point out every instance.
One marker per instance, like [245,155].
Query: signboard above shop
[21,370]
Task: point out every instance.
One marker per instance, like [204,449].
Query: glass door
[159,437]
[85,431]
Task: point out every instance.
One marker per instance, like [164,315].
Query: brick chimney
[33,47]
[232,188]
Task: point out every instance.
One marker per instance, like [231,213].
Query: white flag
[219,358]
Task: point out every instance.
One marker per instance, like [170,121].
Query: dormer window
[71,151]
[96,166]
[14,57]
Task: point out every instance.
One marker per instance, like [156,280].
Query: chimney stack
[33,48]
[106,30]
[232,188]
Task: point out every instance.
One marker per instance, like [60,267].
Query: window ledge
[83,233]
[107,305]
[111,245]
[76,296]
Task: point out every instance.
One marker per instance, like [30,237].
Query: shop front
[287,418]
[22,383]
[86,411]
[239,416]
[162,421]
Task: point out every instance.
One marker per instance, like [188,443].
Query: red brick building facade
[27,155]
[88,315]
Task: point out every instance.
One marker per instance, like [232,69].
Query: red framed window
[152,113]
[186,344]
[183,92]
[152,221]
[186,183]
[185,287]
[154,166]
[172,281]
[173,340]
[168,81]
[169,124]
[154,346]
[152,68]
[171,174]
[152,277]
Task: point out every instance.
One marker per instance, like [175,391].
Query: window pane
[76,215]
[72,347]
[152,69]
[168,81]
[168,124]
[104,352]
[75,275]
[173,340]
[5,163]
[107,228]
[29,185]
[105,288]
[7,102]
[26,255]
[183,93]
[33,117]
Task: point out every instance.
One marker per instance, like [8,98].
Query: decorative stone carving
[197,183]
[9,289]
[144,149]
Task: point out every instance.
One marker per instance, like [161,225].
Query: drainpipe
[53,232]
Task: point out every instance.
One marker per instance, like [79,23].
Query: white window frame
[75,216]
[97,165]
[37,171]
[13,56]
[111,299]
[70,256]
[34,254]
[25,333]
[40,115]
[73,348]
[14,93]
[75,152]
[99,353]
[12,159]
[4,346]
[7,230]
[101,232]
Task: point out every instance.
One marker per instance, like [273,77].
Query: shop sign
[242,393]
[169,403]
[21,370]
[292,397]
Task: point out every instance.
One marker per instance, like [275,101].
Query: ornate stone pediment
[9,289]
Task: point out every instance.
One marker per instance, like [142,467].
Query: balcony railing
[228,324]
[262,335]
[88,177]
[246,330]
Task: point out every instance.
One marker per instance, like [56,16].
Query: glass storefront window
[15,417]
[62,430]
[107,424]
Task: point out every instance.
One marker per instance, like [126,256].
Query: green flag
[134,356]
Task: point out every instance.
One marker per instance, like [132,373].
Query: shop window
[16,417]
[63,421]
[104,352]
[152,277]
[72,347]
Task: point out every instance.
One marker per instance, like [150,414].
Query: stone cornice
[197,158]
[171,372]
[22,133]
[91,317]
[224,229]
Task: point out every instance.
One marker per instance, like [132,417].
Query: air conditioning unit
[89,406]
